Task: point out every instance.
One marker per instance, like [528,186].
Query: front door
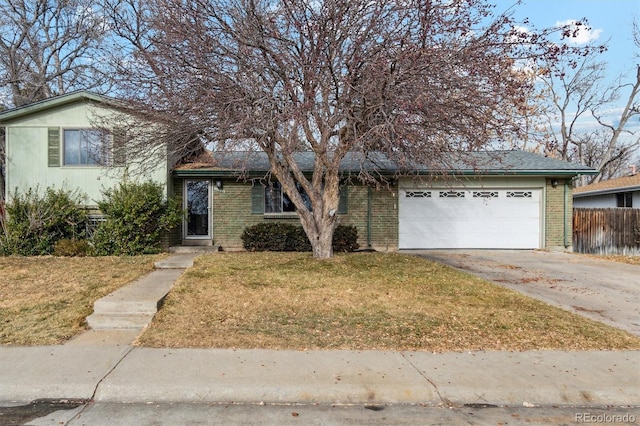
[197,198]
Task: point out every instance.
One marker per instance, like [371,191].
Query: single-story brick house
[509,199]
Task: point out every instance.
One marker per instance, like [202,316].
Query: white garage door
[469,218]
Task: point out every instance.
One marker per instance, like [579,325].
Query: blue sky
[610,22]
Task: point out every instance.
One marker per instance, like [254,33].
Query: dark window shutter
[119,148]
[257,199]
[342,203]
[53,144]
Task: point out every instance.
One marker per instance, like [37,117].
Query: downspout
[368,216]
[566,223]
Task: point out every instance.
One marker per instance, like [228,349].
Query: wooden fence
[606,231]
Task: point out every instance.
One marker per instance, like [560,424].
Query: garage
[485,218]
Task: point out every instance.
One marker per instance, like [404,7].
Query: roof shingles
[626,183]
[490,162]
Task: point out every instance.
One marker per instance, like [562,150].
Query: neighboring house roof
[57,101]
[511,162]
[611,186]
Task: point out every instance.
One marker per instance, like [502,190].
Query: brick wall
[383,218]
[555,227]
[232,214]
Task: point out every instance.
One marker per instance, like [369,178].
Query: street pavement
[112,414]
[100,378]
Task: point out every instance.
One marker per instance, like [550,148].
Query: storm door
[198,206]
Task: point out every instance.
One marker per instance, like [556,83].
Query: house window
[624,199]
[85,147]
[276,201]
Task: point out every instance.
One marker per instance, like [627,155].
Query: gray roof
[505,162]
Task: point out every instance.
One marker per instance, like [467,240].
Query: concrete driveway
[605,291]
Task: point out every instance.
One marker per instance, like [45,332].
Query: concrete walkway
[120,317]
[102,366]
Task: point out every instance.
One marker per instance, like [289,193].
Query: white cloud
[582,34]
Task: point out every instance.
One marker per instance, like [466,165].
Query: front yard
[288,300]
[45,300]
[360,301]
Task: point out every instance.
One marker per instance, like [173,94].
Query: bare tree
[574,90]
[414,80]
[590,149]
[614,145]
[49,47]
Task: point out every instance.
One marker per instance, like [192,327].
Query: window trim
[258,201]
[275,186]
[105,148]
[624,199]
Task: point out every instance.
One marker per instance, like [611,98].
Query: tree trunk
[323,246]
[319,230]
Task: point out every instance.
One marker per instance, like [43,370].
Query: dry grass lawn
[360,301]
[45,300]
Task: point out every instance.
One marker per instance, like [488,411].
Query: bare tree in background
[614,147]
[49,48]
[590,149]
[574,89]
[571,89]
[415,80]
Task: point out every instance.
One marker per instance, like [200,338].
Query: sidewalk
[126,374]
[103,367]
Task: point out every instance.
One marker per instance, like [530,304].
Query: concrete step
[140,297]
[120,307]
[193,249]
[133,306]
[178,261]
[118,322]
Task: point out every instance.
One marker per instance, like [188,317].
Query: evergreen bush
[345,239]
[276,236]
[136,217]
[34,222]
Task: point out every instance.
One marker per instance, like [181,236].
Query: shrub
[275,236]
[35,222]
[271,236]
[345,238]
[71,248]
[136,216]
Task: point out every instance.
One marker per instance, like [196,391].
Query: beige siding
[27,155]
